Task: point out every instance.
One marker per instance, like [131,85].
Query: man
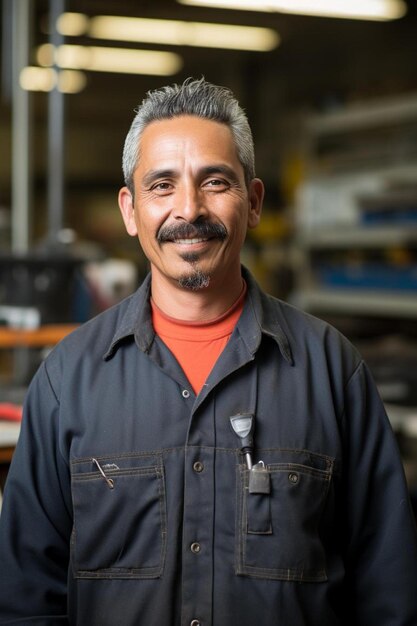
[203,454]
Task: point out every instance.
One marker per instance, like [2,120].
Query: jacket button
[185,393]
[195,622]
[195,547]
[198,466]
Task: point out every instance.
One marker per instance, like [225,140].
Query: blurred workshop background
[330,89]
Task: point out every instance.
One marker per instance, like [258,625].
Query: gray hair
[193,97]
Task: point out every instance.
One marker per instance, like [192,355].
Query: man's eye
[216,182]
[164,186]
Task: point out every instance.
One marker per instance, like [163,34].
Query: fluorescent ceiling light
[72,24]
[169,32]
[103,59]
[71,81]
[46,78]
[37,78]
[379,10]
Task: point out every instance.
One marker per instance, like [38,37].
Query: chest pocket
[119,517]
[278,534]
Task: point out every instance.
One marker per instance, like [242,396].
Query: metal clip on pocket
[109,481]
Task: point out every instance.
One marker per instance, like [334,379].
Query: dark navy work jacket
[127,503]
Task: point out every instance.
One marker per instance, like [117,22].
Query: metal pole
[55,138]
[6,51]
[21,166]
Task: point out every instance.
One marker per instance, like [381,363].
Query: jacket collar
[259,318]
[136,321]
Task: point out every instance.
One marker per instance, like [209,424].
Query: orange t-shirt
[196,345]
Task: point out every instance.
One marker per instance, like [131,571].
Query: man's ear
[256,197]
[127,210]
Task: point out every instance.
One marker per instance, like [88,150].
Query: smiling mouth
[191,241]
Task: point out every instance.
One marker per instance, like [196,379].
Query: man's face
[191,208]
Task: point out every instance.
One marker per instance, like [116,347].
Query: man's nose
[189,203]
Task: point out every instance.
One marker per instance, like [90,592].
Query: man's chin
[194,280]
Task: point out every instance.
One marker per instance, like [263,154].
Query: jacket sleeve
[381,553]
[35,523]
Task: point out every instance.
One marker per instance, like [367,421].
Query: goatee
[195,280]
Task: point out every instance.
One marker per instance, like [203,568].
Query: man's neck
[195,306]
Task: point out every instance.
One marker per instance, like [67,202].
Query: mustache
[186,230]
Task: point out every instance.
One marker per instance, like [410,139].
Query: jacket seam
[50,384]
[355,371]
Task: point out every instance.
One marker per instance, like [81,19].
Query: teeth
[188,241]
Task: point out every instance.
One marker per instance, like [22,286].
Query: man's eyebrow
[220,168]
[153,175]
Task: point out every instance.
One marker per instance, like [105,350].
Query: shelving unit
[356,234]
[357,212]
[382,300]
[360,303]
